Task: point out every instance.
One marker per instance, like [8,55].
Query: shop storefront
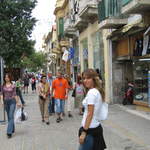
[131,62]
[141,68]
[122,68]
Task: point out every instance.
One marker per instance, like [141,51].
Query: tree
[34,62]
[16,25]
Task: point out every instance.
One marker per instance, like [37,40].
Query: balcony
[88,9]
[109,13]
[112,23]
[69,29]
[135,6]
[56,51]
[64,43]
[80,24]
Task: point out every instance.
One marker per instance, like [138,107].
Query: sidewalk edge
[135,112]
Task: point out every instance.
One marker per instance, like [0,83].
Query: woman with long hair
[91,131]
[10,99]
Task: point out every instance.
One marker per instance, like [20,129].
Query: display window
[141,81]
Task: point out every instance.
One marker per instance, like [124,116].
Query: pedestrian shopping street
[122,131]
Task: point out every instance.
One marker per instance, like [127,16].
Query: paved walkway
[123,131]
[35,135]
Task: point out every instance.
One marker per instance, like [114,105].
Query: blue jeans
[59,105]
[51,106]
[10,105]
[88,143]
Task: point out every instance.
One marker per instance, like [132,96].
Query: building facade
[127,24]
[112,36]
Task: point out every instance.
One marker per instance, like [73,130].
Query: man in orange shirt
[60,91]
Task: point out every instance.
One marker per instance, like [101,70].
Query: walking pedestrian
[44,90]
[52,101]
[33,84]
[60,89]
[10,99]
[69,99]
[26,82]
[19,90]
[91,131]
[79,94]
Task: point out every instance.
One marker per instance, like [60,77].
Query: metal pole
[1,77]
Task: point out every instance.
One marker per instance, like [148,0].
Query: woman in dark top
[9,98]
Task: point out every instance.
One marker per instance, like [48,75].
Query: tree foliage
[16,25]
[34,62]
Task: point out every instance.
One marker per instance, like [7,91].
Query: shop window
[141,69]
[122,48]
[141,46]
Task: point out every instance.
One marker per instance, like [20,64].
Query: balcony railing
[85,3]
[68,22]
[80,24]
[69,26]
[109,12]
[135,6]
[109,9]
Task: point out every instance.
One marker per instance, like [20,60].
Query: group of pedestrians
[89,94]
[53,93]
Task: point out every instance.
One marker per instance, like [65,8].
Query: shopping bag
[24,115]
[18,116]
[103,113]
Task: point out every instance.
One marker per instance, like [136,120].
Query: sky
[44,13]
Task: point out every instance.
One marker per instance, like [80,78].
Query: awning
[125,30]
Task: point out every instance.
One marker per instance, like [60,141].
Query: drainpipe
[110,70]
